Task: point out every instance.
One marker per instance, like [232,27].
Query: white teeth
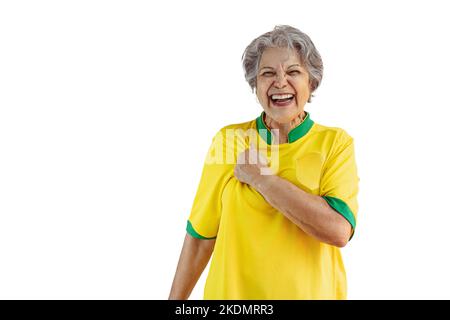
[282,96]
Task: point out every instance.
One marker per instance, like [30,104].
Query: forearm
[309,212]
[193,259]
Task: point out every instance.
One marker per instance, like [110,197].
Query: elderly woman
[276,215]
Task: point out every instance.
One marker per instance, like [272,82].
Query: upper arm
[204,218]
[340,181]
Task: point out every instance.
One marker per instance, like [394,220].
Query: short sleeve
[204,219]
[339,182]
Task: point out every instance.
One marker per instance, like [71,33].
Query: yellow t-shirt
[259,253]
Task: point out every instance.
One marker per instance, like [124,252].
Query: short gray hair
[283,36]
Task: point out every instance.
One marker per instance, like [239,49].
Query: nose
[280,80]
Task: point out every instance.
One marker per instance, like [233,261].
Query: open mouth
[282,100]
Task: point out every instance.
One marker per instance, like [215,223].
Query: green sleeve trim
[192,232]
[342,208]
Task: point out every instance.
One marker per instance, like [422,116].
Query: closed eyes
[269,73]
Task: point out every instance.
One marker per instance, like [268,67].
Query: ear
[311,90]
[311,86]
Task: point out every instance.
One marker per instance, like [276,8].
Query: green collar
[293,135]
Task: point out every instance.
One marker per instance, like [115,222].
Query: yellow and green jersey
[259,253]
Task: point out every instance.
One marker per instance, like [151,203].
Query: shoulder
[226,137]
[235,129]
[335,135]
[242,125]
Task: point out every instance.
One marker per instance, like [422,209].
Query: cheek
[302,88]
[261,92]
[258,94]
[262,98]
[263,85]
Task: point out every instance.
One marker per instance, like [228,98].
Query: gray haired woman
[275,217]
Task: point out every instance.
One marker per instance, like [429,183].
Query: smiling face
[282,84]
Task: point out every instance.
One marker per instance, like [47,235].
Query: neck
[284,128]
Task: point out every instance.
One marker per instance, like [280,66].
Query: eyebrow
[288,67]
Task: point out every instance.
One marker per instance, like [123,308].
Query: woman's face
[282,84]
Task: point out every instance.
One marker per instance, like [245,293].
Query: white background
[107,109]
